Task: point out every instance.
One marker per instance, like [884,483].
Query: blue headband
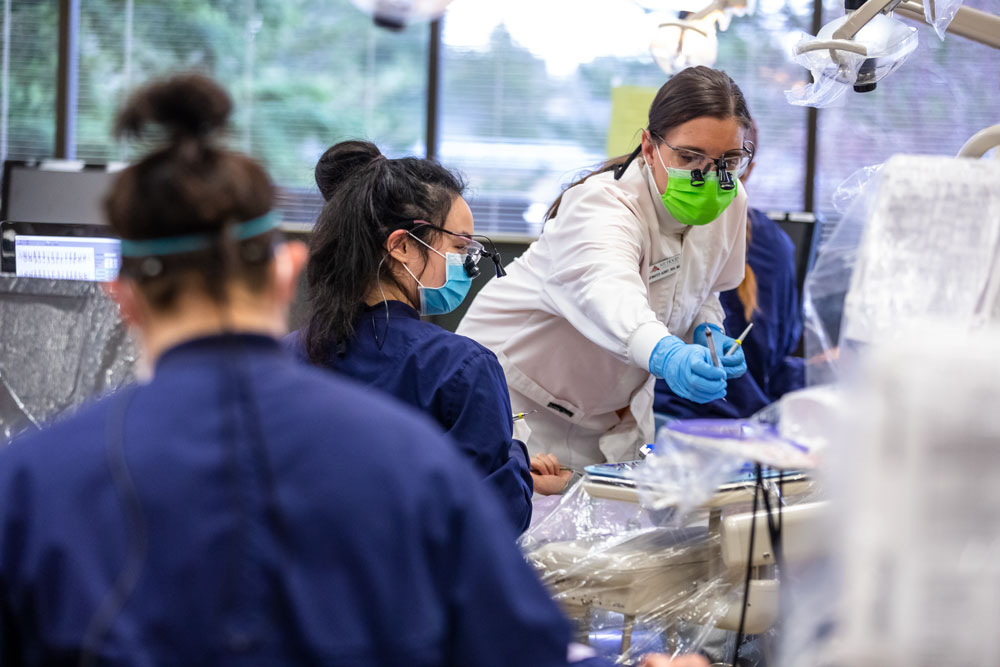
[173,245]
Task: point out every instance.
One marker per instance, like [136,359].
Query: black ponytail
[368,197]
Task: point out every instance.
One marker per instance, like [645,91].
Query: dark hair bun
[187,105]
[341,161]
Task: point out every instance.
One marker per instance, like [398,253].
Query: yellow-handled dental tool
[739,341]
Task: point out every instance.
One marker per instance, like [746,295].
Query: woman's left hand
[548,476]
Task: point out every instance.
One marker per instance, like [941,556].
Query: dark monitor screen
[59,251]
[804,229]
[54,191]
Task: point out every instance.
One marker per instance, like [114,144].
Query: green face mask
[695,204]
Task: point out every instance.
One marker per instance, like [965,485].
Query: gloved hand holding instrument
[728,350]
[688,370]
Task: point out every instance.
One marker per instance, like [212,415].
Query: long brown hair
[747,290]
[695,92]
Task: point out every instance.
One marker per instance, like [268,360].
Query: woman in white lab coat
[622,286]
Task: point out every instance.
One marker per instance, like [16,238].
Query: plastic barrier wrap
[61,343]
[913,576]
[918,237]
[826,284]
[639,561]
[929,247]
[614,570]
[887,41]
[809,417]
[939,14]
[833,74]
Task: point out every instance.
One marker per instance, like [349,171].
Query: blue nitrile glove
[735,364]
[688,370]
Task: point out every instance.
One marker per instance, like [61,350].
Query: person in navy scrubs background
[396,241]
[240,507]
[769,298]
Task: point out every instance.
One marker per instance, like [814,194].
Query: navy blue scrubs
[453,379]
[772,371]
[283,516]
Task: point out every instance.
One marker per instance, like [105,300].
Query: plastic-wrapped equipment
[826,284]
[929,247]
[920,238]
[838,65]
[917,510]
[651,574]
[939,14]
[61,343]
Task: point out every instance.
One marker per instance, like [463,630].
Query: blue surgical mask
[448,297]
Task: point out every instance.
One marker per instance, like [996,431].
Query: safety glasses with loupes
[474,250]
[734,162]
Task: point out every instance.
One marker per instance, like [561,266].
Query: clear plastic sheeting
[919,237]
[809,417]
[939,14]
[61,343]
[826,284]
[616,572]
[681,476]
[914,545]
[887,43]
[833,74]
[638,572]
[929,248]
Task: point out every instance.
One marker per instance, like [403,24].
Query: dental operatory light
[869,43]
[853,51]
[679,44]
[397,14]
[691,38]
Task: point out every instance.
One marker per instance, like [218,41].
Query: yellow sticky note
[629,114]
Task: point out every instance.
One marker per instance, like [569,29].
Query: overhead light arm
[981,143]
[974,24]
[861,16]
[683,25]
[843,37]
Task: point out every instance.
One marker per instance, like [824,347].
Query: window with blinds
[754,51]
[303,74]
[526,99]
[943,94]
[28,65]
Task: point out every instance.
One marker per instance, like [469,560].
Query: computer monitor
[59,251]
[805,230]
[64,191]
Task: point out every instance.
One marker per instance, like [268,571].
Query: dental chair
[666,574]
